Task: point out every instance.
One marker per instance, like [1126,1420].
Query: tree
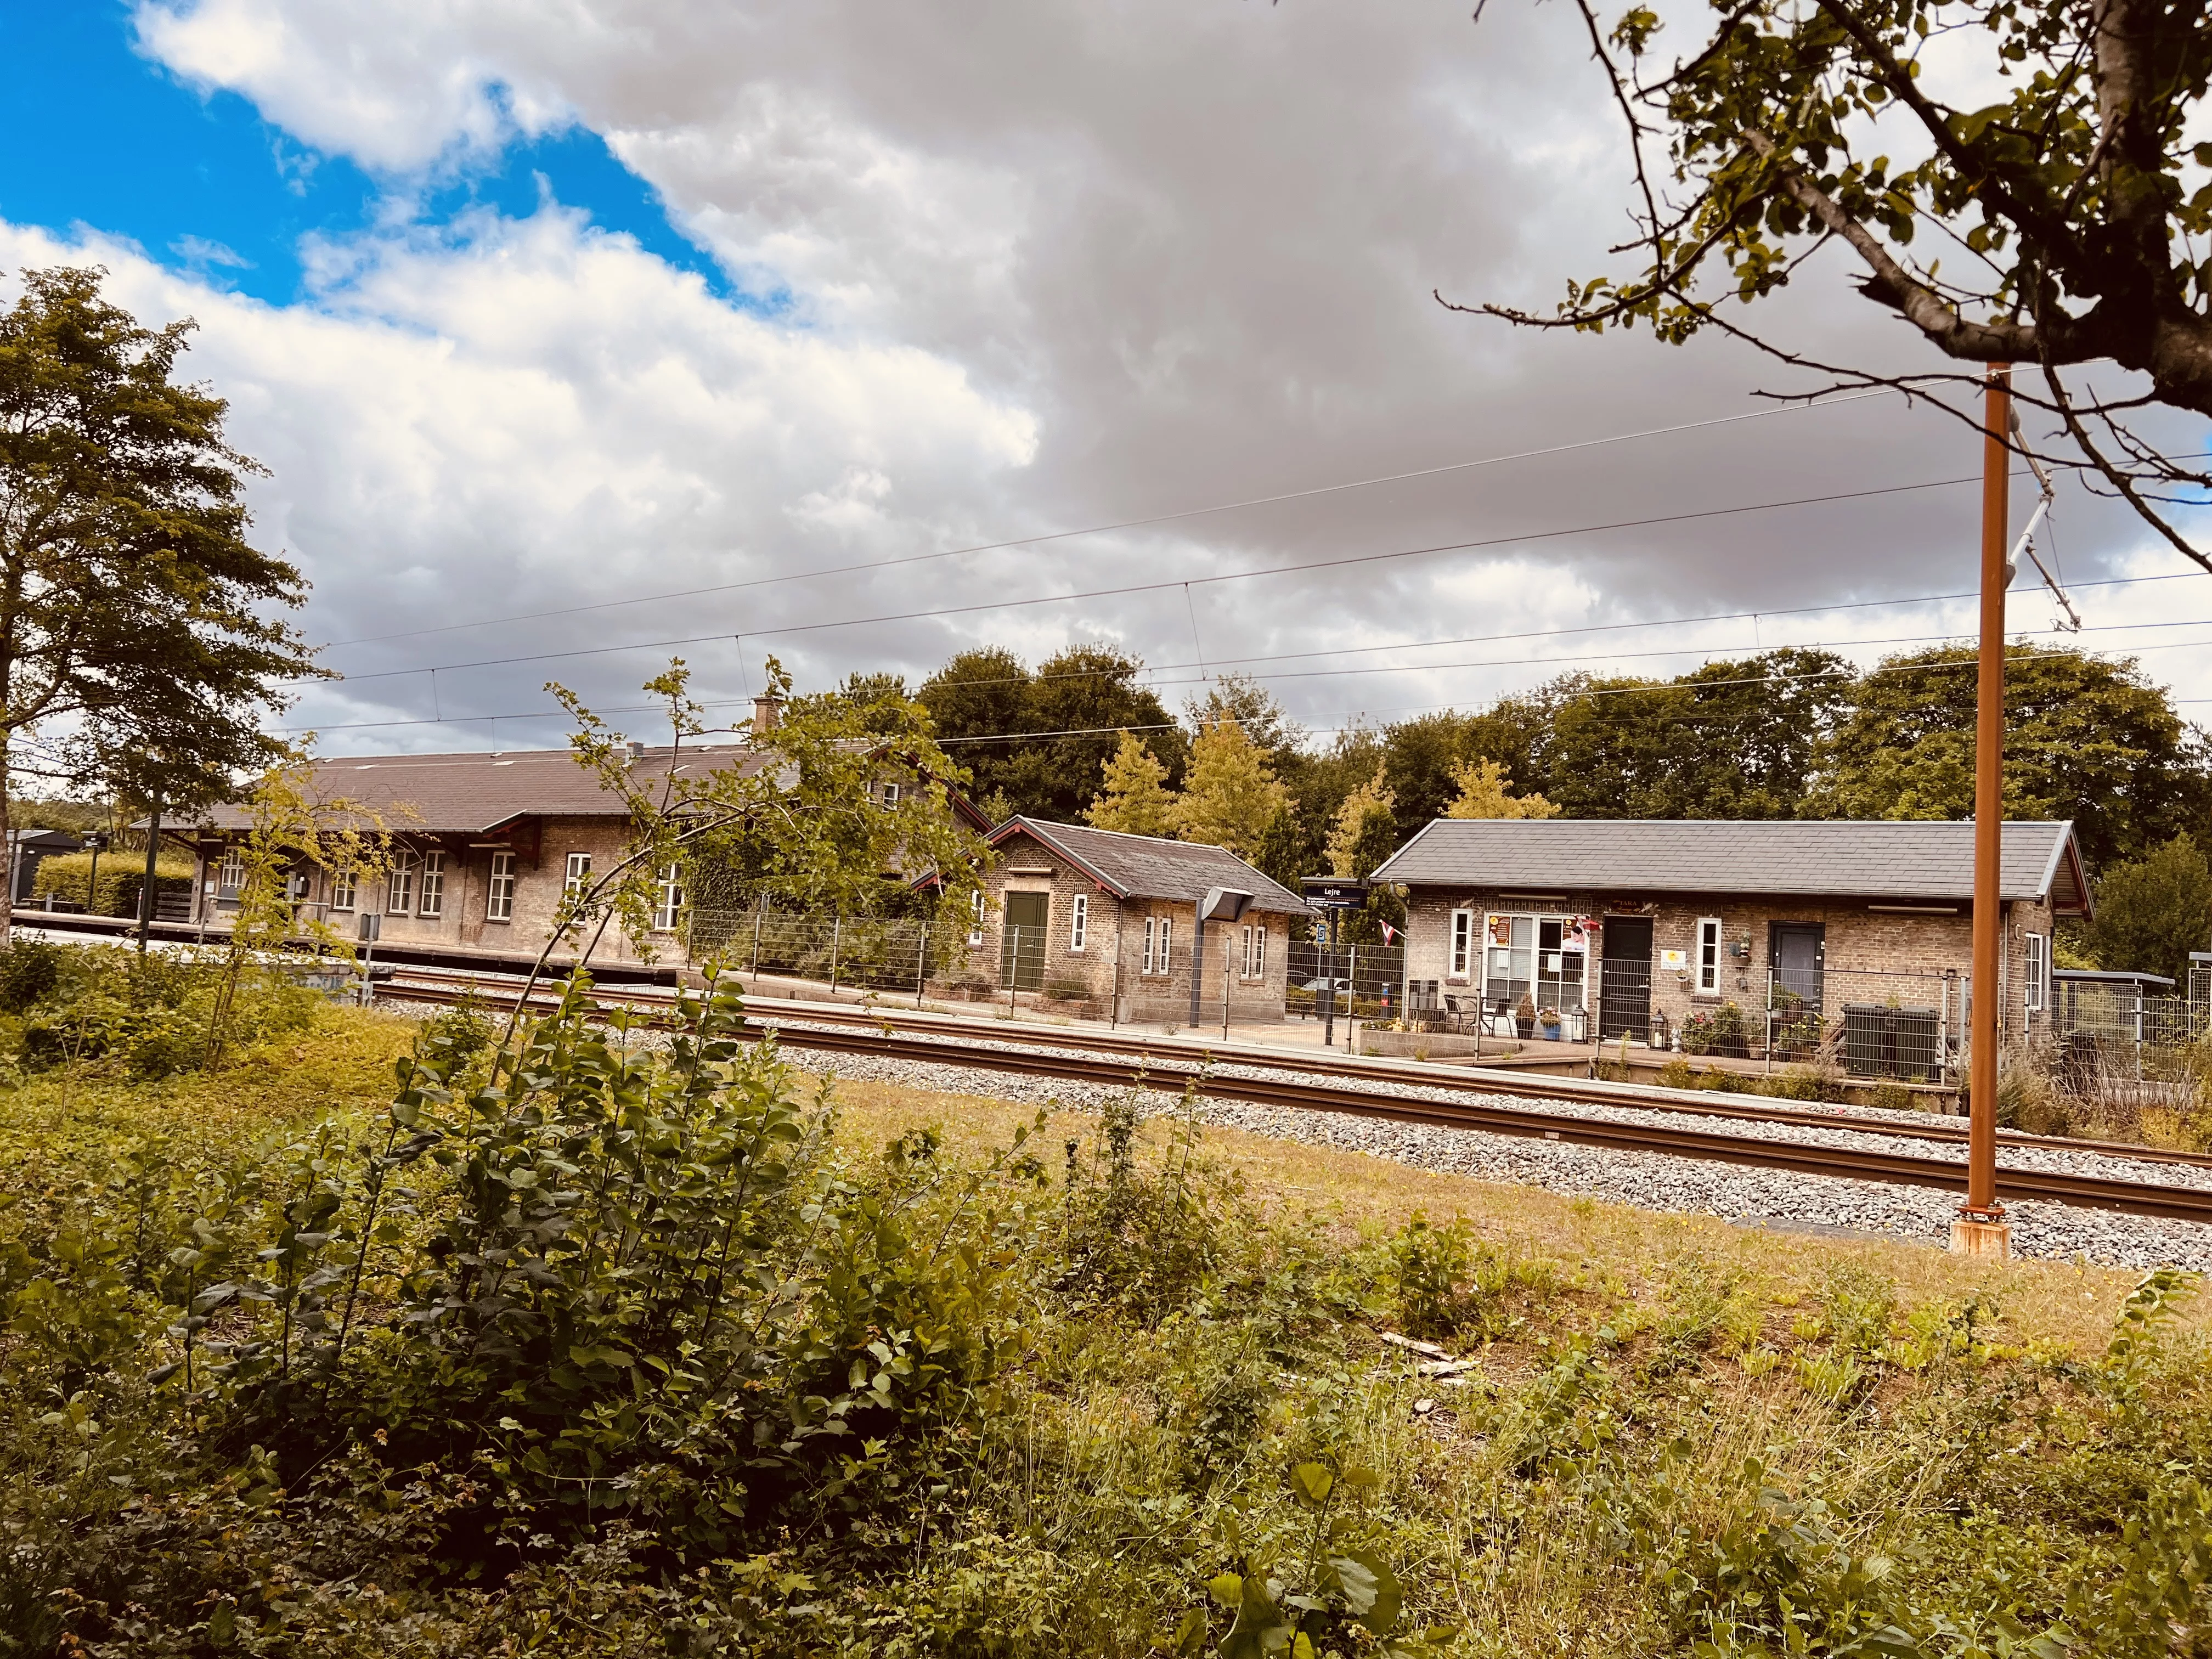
[1135,800]
[2154,911]
[1365,830]
[1067,718]
[133,643]
[2073,198]
[1229,795]
[2086,739]
[1731,739]
[1243,699]
[1485,791]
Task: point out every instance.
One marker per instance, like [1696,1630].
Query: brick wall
[1869,954]
[1115,935]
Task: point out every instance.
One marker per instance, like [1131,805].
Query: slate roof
[1840,858]
[1152,866]
[472,794]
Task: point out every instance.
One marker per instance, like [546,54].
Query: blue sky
[93,134]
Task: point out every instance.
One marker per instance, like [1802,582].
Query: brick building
[1111,920]
[1651,928]
[485,845]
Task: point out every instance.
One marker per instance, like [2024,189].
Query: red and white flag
[1390,934]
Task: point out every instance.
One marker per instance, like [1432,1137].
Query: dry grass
[1616,1244]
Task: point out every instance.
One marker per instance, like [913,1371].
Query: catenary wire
[1176,582]
[1108,529]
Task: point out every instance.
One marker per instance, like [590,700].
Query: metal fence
[2107,1040]
[860,952]
[1365,982]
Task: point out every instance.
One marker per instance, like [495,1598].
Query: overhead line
[1606,691]
[1107,529]
[1158,587]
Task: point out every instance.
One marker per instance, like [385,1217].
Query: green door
[1021,946]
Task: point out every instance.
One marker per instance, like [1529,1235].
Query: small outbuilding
[1134,924]
[1790,938]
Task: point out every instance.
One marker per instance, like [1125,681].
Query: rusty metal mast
[1981,1206]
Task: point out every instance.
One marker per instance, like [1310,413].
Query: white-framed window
[342,885]
[399,890]
[975,911]
[667,898]
[231,876]
[1078,921]
[2038,993]
[577,880]
[1255,950]
[499,893]
[1709,957]
[888,792]
[1462,945]
[1159,933]
[431,902]
[1544,959]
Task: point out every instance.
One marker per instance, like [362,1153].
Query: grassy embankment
[1075,1389]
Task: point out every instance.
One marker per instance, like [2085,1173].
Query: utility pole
[152,857]
[1980,1228]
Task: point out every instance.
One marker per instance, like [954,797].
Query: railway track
[1170,1064]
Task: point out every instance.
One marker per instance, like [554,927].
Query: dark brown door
[1021,946]
[1624,1005]
[1799,952]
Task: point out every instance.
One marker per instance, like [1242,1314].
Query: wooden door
[1021,942]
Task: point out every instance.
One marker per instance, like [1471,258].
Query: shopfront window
[1542,957]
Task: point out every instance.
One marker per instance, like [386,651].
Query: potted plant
[1548,1020]
[1525,1016]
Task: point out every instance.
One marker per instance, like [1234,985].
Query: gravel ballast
[1652,1180]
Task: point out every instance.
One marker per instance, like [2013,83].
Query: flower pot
[1525,1025]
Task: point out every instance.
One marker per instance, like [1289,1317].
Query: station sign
[1334,893]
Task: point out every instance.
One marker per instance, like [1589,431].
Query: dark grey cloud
[1037,265]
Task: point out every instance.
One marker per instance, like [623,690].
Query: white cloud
[1047,263]
[534,414]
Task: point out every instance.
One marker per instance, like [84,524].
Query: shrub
[122,873]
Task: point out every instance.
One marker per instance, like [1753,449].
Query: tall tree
[1135,800]
[2069,210]
[2086,738]
[1365,830]
[1731,739]
[1067,716]
[134,645]
[1230,796]
[2154,910]
[1486,792]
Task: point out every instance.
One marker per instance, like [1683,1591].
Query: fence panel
[1368,981]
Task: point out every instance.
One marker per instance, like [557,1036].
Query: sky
[576,336]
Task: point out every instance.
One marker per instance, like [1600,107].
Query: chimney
[636,750]
[768,713]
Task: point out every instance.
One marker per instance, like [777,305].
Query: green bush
[69,876]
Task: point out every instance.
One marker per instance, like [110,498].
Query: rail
[1169,1064]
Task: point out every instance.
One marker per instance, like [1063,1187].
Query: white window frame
[668,898]
[2036,994]
[975,914]
[230,874]
[1460,948]
[1079,923]
[1255,950]
[430,895]
[889,792]
[1705,959]
[576,877]
[343,890]
[1147,968]
[399,886]
[1167,945]
[499,890]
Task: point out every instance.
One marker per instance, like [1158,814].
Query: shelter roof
[1152,866]
[1871,859]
